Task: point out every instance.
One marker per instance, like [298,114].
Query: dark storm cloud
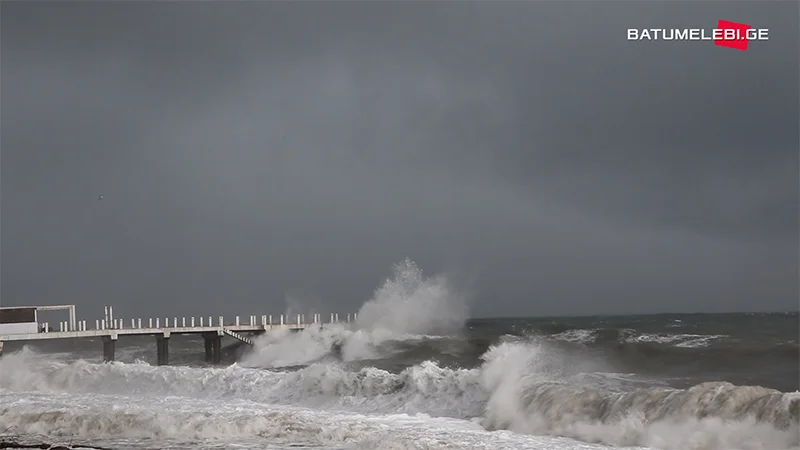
[248,151]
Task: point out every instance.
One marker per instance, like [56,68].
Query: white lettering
[697,34]
[758,34]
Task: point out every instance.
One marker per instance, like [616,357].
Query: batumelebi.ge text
[697,34]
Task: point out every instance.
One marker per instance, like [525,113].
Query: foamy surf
[175,422]
[509,392]
[679,340]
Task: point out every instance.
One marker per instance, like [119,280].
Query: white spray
[407,305]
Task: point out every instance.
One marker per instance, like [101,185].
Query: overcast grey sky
[253,151]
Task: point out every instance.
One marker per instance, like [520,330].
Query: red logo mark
[732,35]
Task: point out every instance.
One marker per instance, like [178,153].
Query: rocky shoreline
[10,444]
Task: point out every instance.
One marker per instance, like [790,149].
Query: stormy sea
[413,372]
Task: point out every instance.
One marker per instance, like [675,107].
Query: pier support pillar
[209,349]
[162,350]
[213,344]
[1,348]
[109,343]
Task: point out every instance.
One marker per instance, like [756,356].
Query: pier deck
[21,324]
[147,331]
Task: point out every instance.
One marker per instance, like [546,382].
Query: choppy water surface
[413,373]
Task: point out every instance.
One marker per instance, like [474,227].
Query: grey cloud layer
[250,150]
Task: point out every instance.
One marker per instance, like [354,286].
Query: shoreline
[15,444]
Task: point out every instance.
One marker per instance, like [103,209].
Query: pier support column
[162,349]
[109,343]
[213,344]
[1,348]
[209,349]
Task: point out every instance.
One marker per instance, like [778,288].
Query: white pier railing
[21,324]
[150,325]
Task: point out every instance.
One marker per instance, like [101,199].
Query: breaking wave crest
[407,306]
[531,390]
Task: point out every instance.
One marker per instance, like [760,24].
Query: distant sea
[665,381]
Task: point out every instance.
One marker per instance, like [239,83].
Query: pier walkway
[21,324]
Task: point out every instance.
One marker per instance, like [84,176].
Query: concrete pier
[22,324]
[109,344]
[162,349]
[213,345]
